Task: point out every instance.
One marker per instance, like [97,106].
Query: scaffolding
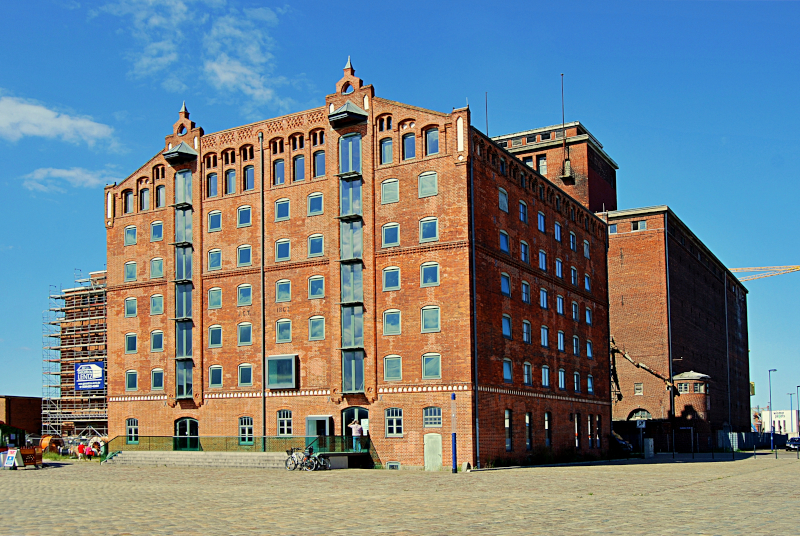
[73,333]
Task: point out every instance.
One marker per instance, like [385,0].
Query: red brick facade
[470,171]
[592,177]
[670,309]
[23,412]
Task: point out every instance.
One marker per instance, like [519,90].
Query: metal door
[433,452]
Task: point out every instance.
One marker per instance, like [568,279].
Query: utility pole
[771,421]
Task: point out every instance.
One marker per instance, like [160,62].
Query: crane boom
[615,350]
[765,271]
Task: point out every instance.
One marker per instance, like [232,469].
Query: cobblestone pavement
[724,497]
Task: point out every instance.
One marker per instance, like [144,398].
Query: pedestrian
[81,450]
[89,452]
[357,430]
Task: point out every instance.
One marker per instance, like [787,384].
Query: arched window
[505,284]
[524,252]
[215,336]
[431,366]
[132,431]
[432,141]
[507,371]
[391,322]
[545,376]
[505,243]
[386,150]
[590,384]
[127,201]
[249,182]
[428,184]
[156,231]
[392,368]
[576,345]
[130,343]
[428,230]
[502,199]
[284,422]
[430,319]
[562,379]
[315,204]
[507,326]
[144,199]
[130,271]
[316,287]
[244,256]
[230,181]
[526,292]
[130,235]
[283,291]
[390,233]
[156,268]
[523,212]
[391,278]
[283,250]
[639,415]
[245,374]
[527,373]
[299,168]
[157,341]
[542,260]
[156,304]
[283,330]
[215,376]
[316,245]
[545,336]
[215,298]
[319,163]
[428,274]
[278,172]
[246,430]
[526,332]
[244,216]
[130,307]
[409,146]
[316,328]
[244,334]
[161,196]
[390,191]
[432,417]
[215,259]
[244,295]
[157,379]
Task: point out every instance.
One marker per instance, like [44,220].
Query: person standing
[80,451]
[357,431]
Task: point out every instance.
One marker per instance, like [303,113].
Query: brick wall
[22,412]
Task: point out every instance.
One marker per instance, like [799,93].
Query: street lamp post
[771,421]
[798,416]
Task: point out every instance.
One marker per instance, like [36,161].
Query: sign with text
[10,457]
[89,376]
[641,424]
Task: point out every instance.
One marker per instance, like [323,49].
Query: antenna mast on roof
[566,167]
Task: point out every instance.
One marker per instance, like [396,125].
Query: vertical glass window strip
[183,300]
[352,240]
[183,378]
[353,371]
[183,339]
[352,326]
[183,225]
[350,154]
[183,187]
[509,439]
[528,432]
[352,283]
[183,263]
[350,197]
[548,429]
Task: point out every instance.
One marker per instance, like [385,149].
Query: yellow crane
[765,271]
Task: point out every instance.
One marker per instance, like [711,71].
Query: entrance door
[433,452]
[349,415]
[186,435]
[318,428]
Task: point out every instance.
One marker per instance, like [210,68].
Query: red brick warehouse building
[676,308]
[394,256]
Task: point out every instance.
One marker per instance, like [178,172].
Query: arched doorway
[186,434]
[639,415]
[361,415]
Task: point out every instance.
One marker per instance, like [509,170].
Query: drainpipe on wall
[263,304]
[474,326]
[727,353]
[669,312]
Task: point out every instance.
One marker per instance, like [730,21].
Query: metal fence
[321,444]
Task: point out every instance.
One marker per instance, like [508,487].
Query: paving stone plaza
[743,497]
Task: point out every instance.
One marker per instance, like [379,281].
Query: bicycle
[306,461]
[322,463]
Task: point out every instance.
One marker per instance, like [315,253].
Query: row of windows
[527,337]
[128,204]
[505,290]
[593,425]
[245,378]
[430,322]
[505,247]
[229,182]
[409,146]
[527,377]
[542,223]
[640,225]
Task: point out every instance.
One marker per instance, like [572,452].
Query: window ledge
[350,217]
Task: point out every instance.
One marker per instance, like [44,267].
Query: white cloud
[54,179]
[20,117]
[235,56]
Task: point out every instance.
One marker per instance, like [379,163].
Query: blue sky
[696,101]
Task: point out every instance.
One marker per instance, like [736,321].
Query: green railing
[321,444]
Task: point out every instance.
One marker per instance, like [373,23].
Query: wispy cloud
[21,117]
[236,53]
[54,179]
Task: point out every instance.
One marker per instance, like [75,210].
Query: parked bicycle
[307,460]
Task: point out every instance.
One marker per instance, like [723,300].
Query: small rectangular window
[131,380]
[391,323]
[215,298]
[503,200]
[612,229]
[283,291]
[156,268]
[390,191]
[244,295]
[431,141]
[431,366]
[391,235]
[542,222]
[157,380]
[244,256]
[283,331]
[282,250]
[282,210]
[428,184]
[430,319]
[315,205]
[316,328]
[130,236]
[541,164]
[386,151]
[244,218]
[157,305]
[299,168]
[281,372]
[215,376]
[214,221]
[432,417]
[640,225]
[244,334]
[214,259]
[156,231]
[316,287]
[393,368]
[391,278]
[245,375]
[428,230]
[394,422]
[130,343]
[215,337]
[157,341]
[130,307]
